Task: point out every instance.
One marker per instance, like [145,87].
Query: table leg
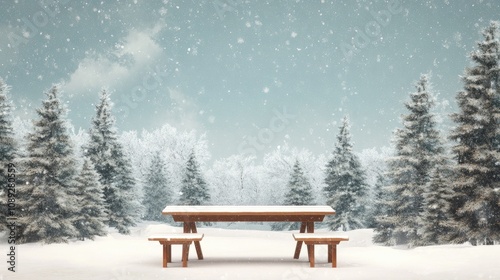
[310,247]
[191,227]
[299,243]
[197,243]
[187,227]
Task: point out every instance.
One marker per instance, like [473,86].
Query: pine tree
[299,188]
[476,198]
[91,219]
[383,197]
[7,150]
[113,167]
[48,200]
[345,189]
[436,209]
[299,193]
[194,190]
[378,208]
[125,205]
[418,147]
[157,191]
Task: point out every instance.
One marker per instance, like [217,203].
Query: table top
[292,213]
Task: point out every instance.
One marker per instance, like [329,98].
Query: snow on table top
[175,236]
[292,209]
[320,234]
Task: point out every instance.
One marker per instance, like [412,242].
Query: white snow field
[246,254]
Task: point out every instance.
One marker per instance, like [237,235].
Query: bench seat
[330,239]
[184,239]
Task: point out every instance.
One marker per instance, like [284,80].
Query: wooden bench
[184,239]
[311,239]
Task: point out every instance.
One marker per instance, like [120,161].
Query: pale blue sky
[251,74]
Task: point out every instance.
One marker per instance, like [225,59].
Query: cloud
[141,46]
[93,73]
[134,53]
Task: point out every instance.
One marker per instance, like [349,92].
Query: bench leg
[329,253]
[185,254]
[310,254]
[333,252]
[167,254]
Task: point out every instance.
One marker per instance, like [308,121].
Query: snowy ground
[246,254]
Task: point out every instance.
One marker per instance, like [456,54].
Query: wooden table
[306,215]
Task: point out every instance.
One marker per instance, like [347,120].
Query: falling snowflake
[162,11]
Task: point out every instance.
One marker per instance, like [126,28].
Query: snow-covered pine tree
[418,146]
[377,205]
[7,148]
[477,150]
[194,190]
[436,209]
[126,203]
[48,200]
[299,193]
[383,197]
[91,219]
[157,192]
[113,166]
[299,188]
[346,188]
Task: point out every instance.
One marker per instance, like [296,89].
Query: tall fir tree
[476,198]
[436,215]
[299,193]
[418,146]
[194,190]
[346,188]
[157,192]
[48,200]
[382,211]
[91,219]
[7,152]
[378,208]
[114,169]
[299,188]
